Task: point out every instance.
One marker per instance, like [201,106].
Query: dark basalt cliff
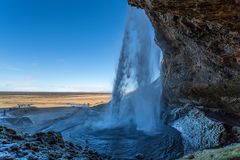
[200,40]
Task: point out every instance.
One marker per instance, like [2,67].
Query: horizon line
[74,92]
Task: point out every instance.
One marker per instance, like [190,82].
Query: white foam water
[135,98]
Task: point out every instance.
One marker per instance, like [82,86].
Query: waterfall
[137,87]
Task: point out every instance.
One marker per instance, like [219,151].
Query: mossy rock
[231,152]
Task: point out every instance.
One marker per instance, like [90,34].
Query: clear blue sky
[60,45]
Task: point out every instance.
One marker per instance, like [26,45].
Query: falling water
[135,98]
[135,105]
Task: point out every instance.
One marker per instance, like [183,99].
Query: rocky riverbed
[42,146]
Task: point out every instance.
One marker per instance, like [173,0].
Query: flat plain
[52,99]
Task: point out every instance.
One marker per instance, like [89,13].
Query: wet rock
[28,146]
[35,148]
[105,156]
[39,139]
[54,137]
[6,156]
[190,156]
[18,137]
[54,155]
[10,131]
[71,144]
[31,157]
[14,148]
[79,147]
[91,152]
[139,156]
[4,141]
[236,133]
[1,128]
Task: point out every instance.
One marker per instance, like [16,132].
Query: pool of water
[125,143]
[81,126]
[122,142]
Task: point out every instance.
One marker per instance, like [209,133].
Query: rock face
[200,41]
[41,146]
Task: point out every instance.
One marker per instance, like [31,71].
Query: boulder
[199,131]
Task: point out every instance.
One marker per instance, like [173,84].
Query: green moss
[227,153]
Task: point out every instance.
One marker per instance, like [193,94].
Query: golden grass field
[53,99]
